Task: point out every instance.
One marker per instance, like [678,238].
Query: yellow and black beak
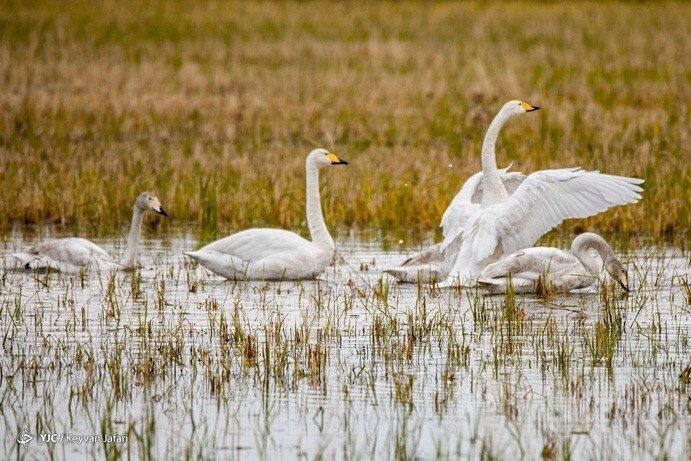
[528,108]
[335,160]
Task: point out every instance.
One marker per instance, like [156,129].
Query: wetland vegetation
[213,107]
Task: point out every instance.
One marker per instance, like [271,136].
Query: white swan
[74,254]
[426,266]
[504,223]
[554,269]
[434,263]
[276,254]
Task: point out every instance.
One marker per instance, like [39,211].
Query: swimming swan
[74,254]
[504,223]
[276,254]
[554,268]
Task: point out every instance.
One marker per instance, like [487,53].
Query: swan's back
[268,254]
[66,254]
[252,244]
[469,199]
[531,263]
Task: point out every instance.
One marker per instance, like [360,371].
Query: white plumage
[426,266]
[277,254]
[504,223]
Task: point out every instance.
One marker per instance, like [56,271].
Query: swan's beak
[624,283]
[529,108]
[335,160]
[161,211]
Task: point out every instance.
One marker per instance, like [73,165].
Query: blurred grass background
[215,105]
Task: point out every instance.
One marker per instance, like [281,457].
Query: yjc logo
[24,437]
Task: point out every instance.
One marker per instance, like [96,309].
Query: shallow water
[187,364]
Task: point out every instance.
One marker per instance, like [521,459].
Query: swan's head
[515,107]
[322,158]
[618,272]
[148,201]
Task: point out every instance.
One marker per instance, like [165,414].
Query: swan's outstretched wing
[462,206]
[543,201]
[511,182]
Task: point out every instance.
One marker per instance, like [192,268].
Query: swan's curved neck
[493,188]
[315,219]
[580,247]
[129,258]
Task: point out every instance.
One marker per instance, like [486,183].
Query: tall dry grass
[215,105]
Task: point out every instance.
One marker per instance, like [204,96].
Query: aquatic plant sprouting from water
[374,347]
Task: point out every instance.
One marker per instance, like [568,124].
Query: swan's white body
[555,269]
[427,265]
[504,223]
[277,254]
[74,254]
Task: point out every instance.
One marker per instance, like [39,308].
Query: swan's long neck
[315,218]
[493,188]
[129,258]
[580,246]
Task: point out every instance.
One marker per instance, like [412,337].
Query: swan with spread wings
[503,223]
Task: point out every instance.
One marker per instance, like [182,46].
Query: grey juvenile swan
[74,254]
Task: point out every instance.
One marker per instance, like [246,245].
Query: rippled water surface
[175,362]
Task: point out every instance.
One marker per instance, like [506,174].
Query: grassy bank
[215,108]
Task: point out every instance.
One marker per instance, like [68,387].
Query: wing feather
[465,207]
[546,198]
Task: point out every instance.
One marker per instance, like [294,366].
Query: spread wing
[543,201]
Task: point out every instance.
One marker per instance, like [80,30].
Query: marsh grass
[215,108]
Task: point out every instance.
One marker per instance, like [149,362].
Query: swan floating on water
[73,254]
[554,269]
[277,254]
